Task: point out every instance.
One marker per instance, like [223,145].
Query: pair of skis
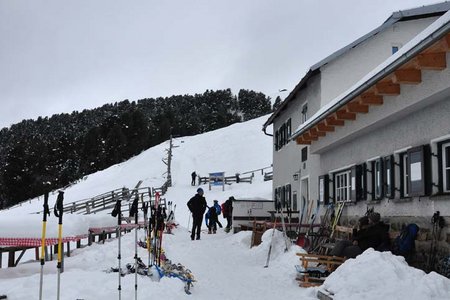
[285,237]
[58,211]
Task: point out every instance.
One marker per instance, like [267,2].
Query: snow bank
[381,275]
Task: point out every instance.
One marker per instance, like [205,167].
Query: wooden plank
[324,127]
[371,99]
[334,121]
[301,141]
[387,88]
[344,114]
[431,61]
[357,107]
[316,132]
[407,76]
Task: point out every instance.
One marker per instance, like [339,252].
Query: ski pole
[58,211]
[134,213]
[117,211]
[44,229]
[271,242]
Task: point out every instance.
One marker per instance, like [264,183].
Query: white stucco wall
[420,114]
[287,160]
[340,74]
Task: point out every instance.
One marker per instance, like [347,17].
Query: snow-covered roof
[410,14]
[423,40]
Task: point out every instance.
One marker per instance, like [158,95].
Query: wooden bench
[315,268]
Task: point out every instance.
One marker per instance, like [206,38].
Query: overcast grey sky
[59,56]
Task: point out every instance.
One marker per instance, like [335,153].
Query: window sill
[440,196]
[373,202]
[400,200]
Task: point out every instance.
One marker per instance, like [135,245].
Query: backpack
[224,207]
[404,244]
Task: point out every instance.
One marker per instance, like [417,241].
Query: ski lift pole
[117,212]
[58,211]
[44,229]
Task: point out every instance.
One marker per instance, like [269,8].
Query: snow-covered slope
[224,265]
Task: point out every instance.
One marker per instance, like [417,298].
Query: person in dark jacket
[375,235]
[227,211]
[193,176]
[197,206]
[212,215]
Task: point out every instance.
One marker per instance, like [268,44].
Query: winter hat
[216,201]
[374,217]
[200,190]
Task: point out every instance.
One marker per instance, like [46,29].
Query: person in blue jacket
[218,211]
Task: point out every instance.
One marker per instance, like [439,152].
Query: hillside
[224,265]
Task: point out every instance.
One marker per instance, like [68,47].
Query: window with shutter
[419,171]
[342,183]
[377,179]
[389,179]
[288,196]
[404,175]
[324,189]
[444,159]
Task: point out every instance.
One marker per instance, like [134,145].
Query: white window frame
[445,168]
[343,186]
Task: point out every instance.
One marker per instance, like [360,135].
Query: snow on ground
[224,265]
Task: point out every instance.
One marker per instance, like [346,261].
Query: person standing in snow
[227,211]
[212,215]
[218,211]
[193,176]
[197,206]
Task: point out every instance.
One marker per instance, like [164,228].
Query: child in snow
[212,226]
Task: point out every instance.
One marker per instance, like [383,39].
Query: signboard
[217,178]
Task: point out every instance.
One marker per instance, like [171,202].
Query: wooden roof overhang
[408,71]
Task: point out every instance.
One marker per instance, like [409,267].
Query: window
[343,186]
[304,154]
[445,169]
[276,140]
[324,189]
[288,129]
[404,175]
[283,134]
[304,112]
[277,197]
[294,201]
[419,178]
[394,49]
[389,177]
[377,179]
[287,196]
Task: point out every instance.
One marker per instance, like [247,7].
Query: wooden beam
[431,61]
[334,121]
[307,136]
[301,141]
[324,127]
[343,114]
[357,107]
[443,45]
[316,132]
[407,76]
[371,99]
[387,88]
